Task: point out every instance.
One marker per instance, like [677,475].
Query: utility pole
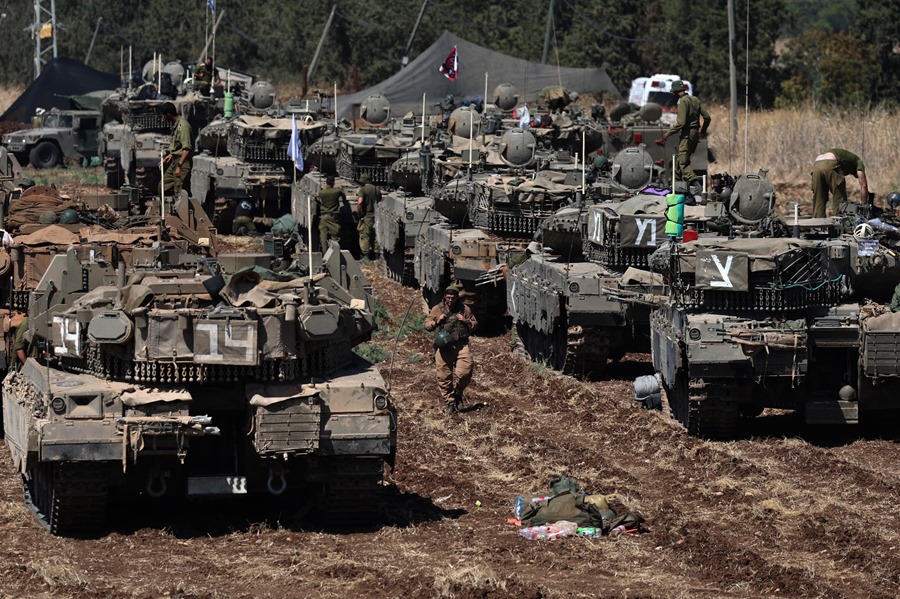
[93,39]
[40,13]
[412,36]
[547,34]
[315,60]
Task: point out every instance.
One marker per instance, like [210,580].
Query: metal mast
[44,25]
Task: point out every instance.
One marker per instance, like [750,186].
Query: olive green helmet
[68,217]
[48,217]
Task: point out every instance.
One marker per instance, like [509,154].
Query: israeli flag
[295,149]
[211,4]
[524,117]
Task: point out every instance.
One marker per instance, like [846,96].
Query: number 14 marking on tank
[229,342]
[69,331]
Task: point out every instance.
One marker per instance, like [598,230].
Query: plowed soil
[785,511]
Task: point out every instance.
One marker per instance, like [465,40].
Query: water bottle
[519,508]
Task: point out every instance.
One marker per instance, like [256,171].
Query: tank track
[352,491]
[68,499]
[401,267]
[581,352]
[705,410]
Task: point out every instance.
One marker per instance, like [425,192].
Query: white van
[656,89]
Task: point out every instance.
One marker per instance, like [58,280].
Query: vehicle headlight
[58,404]
[574,287]
[694,334]
[381,402]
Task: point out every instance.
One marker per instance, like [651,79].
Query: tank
[400,218]
[791,322]
[586,297]
[247,158]
[163,382]
[132,150]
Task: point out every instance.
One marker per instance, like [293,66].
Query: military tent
[404,89]
[60,78]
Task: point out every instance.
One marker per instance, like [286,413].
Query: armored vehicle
[575,308]
[305,206]
[246,157]
[400,218]
[165,381]
[793,323]
[62,134]
[135,149]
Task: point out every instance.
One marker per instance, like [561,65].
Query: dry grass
[787,141]
[8,95]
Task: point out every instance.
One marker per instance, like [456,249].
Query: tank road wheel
[45,155]
[587,351]
[352,491]
[115,175]
[67,499]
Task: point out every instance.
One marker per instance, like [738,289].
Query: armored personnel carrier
[575,308]
[166,381]
[795,323]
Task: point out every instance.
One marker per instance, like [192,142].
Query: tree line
[789,52]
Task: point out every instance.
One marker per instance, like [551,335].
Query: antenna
[747,94]
[87,57]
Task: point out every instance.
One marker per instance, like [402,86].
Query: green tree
[824,68]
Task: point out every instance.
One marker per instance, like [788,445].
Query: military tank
[137,134]
[246,157]
[794,322]
[576,308]
[166,382]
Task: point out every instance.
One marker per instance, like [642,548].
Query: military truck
[797,323]
[167,380]
[62,134]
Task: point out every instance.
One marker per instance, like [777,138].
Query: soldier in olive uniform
[21,342]
[828,174]
[369,196]
[453,359]
[330,200]
[203,76]
[178,161]
[689,129]
[244,223]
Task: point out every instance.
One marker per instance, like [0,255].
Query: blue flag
[211,4]
[295,149]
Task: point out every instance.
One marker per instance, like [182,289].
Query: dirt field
[782,512]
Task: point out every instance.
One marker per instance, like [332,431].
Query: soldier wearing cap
[689,128]
[178,161]
[454,322]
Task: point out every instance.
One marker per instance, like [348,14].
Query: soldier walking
[454,322]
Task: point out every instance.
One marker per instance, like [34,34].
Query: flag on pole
[450,67]
[524,117]
[295,149]
[211,4]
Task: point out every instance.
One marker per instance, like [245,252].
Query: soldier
[454,322]
[828,174]
[244,223]
[689,129]
[369,196]
[178,159]
[21,342]
[203,76]
[330,200]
